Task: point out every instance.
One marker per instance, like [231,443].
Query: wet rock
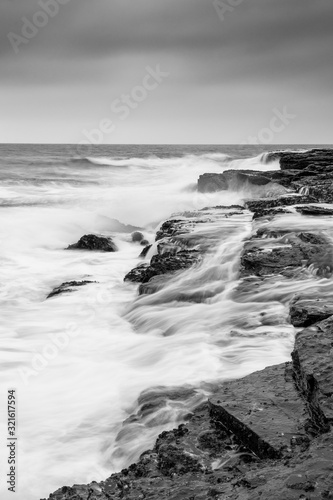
[313,362]
[67,287]
[210,183]
[172,227]
[137,236]
[263,410]
[137,275]
[95,243]
[284,255]
[260,206]
[144,243]
[314,159]
[270,213]
[231,179]
[144,252]
[305,311]
[315,210]
[169,263]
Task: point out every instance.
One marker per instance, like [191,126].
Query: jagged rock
[313,159]
[165,263]
[68,286]
[137,236]
[263,410]
[313,361]
[93,242]
[137,274]
[305,311]
[172,227]
[287,253]
[260,206]
[231,179]
[315,210]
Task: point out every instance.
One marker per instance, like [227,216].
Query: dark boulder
[68,286]
[137,274]
[95,243]
[162,264]
[137,236]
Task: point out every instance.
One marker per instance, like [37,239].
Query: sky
[166,71]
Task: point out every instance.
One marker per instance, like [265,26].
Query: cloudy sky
[227,69]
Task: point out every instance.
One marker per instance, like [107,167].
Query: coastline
[267,435]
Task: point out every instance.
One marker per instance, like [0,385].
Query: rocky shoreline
[269,435]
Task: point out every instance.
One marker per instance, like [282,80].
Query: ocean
[80,361]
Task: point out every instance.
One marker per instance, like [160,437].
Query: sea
[80,362]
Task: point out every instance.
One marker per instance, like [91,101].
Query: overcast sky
[228,71]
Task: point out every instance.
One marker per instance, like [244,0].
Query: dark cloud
[279,49]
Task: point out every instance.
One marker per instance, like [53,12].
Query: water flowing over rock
[94,243]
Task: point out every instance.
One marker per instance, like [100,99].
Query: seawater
[79,361]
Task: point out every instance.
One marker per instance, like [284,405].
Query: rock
[270,213]
[284,255]
[137,274]
[137,236]
[261,205]
[93,242]
[144,243]
[263,410]
[313,361]
[315,210]
[145,251]
[68,286]
[172,227]
[314,159]
[210,183]
[231,179]
[306,311]
[165,263]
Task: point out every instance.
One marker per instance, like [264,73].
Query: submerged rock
[67,287]
[93,242]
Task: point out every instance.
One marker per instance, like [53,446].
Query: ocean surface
[80,361]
